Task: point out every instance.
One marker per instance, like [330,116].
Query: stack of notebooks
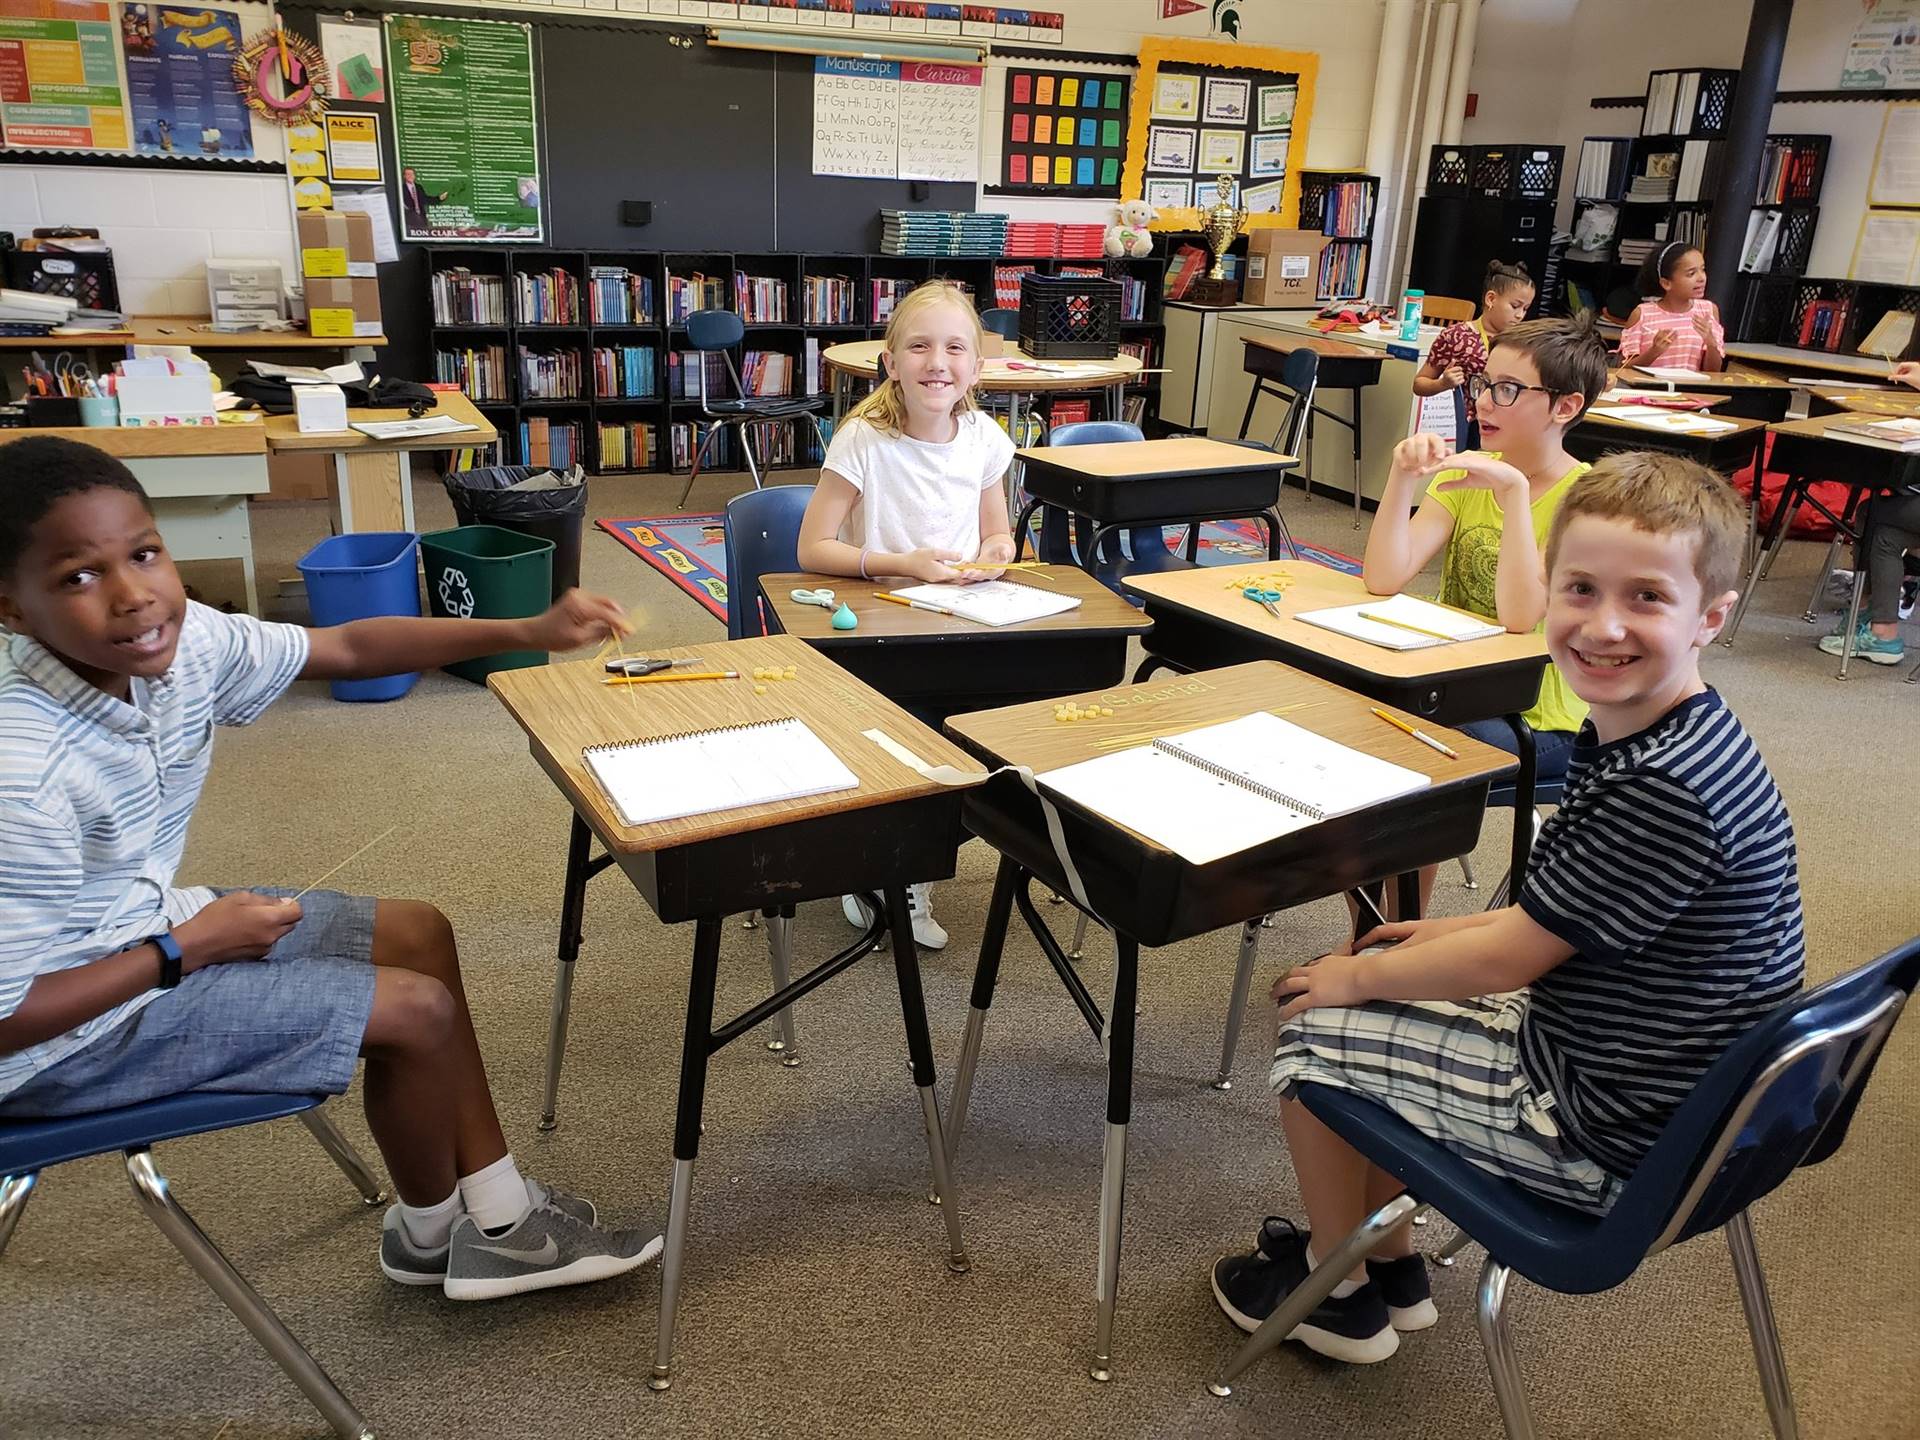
[1699,170]
[1602,170]
[1081,242]
[1400,622]
[1031,237]
[1901,434]
[703,772]
[941,232]
[991,602]
[1225,788]
[27,312]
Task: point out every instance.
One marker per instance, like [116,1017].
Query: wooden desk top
[1728,379]
[1323,345]
[858,358]
[1213,592]
[1820,427]
[283,431]
[1154,459]
[1739,426]
[1795,361]
[157,442]
[1100,612]
[178,330]
[1895,405]
[566,708]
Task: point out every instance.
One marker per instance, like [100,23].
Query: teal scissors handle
[1266,598]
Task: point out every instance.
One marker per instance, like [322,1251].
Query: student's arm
[1713,339]
[1520,580]
[1907,372]
[996,535]
[392,645]
[1402,541]
[1434,381]
[1509,952]
[825,553]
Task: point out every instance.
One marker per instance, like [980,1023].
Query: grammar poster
[1885,51]
[180,81]
[464,129]
[60,76]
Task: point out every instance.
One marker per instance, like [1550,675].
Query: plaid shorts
[1450,1069]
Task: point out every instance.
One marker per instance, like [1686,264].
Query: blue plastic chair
[718,331]
[1500,797]
[762,538]
[1001,321]
[28,1147]
[1781,1097]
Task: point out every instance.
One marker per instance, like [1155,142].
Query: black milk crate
[1069,317]
[1447,168]
[1536,171]
[82,275]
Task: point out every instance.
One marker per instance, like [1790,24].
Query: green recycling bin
[482,572]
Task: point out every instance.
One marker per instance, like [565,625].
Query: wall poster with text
[180,81]
[60,85]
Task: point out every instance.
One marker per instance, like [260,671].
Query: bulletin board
[1204,108]
[1064,133]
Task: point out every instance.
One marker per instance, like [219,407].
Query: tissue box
[320,409]
[335,245]
[1283,267]
[185,399]
[343,308]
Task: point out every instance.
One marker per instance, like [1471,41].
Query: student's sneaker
[927,931]
[1867,645]
[1404,1286]
[547,1248]
[1909,596]
[405,1263]
[1249,1288]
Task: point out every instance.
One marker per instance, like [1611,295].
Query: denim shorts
[291,1024]
[1552,749]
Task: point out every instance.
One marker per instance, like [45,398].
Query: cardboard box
[1283,267]
[335,245]
[320,409]
[992,346]
[343,308]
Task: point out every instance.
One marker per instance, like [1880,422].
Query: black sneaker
[1249,1288]
[1403,1285]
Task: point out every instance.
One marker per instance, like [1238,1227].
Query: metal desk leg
[1237,1002]
[913,1010]
[573,899]
[1853,620]
[1113,1168]
[986,973]
[1844,528]
[1356,458]
[695,1046]
[1776,534]
[780,961]
[1523,785]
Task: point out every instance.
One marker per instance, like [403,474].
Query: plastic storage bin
[356,577]
[482,572]
[1069,317]
[559,513]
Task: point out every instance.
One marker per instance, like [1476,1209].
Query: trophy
[1221,221]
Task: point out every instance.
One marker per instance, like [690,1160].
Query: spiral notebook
[703,771]
[1225,788]
[1401,622]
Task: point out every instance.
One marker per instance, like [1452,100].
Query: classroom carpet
[690,550]
[817,1300]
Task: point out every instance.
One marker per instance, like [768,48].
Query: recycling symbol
[455,594]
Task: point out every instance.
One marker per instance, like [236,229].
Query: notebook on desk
[1401,622]
[698,773]
[992,602]
[1224,788]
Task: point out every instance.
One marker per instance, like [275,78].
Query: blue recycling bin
[359,576]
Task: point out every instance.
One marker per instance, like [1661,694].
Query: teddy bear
[1130,236]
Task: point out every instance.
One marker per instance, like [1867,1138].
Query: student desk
[1901,404]
[1792,360]
[373,480]
[199,478]
[1149,896]
[1201,620]
[897,827]
[1343,366]
[1187,480]
[942,664]
[1809,453]
[1746,394]
[858,361]
[1725,450]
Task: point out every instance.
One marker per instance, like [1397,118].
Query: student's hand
[1391,932]
[1484,472]
[1453,377]
[1422,454]
[1907,372]
[1331,982]
[578,619]
[994,554]
[1703,326]
[1656,347]
[239,926]
[936,567]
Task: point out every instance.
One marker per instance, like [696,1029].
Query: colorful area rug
[690,550]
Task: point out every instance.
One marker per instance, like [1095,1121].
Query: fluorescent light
[854,47]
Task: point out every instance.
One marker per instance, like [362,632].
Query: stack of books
[1082,242]
[481,371]
[759,299]
[461,297]
[827,300]
[688,293]
[617,296]
[1032,237]
[623,372]
[550,376]
[1903,434]
[549,298]
[941,232]
[1602,170]
[626,445]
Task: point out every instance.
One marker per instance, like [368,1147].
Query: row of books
[551,443]
[1075,240]
[479,370]
[829,300]
[683,374]
[1699,170]
[1006,284]
[688,293]
[1349,210]
[626,445]
[1824,323]
[775,442]
[767,373]
[759,299]
[1789,173]
[474,457]
[547,297]
[617,296]
[886,293]
[461,297]
[942,232]
[1343,271]
[627,372]
[1673,99]
[1188,264]
[1602,170]
[549,375]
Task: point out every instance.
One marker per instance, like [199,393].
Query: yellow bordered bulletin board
[1303,65]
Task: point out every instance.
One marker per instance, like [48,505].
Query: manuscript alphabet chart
[888,119]
[939,121]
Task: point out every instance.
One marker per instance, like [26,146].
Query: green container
[482,572]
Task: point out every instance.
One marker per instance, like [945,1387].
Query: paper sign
[353,149]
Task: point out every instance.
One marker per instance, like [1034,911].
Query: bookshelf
[1487,202]
[1826,315]
[593,343]
[1342,204]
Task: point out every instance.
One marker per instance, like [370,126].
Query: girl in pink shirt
[1682,328]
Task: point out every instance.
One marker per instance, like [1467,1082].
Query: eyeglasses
[1505,392]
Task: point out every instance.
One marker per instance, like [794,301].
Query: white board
[856,117]
[939,121]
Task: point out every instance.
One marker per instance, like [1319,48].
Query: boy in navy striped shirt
[1551,1041]
[117,986]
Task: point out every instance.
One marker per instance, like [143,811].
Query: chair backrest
[762,538]
[1444,310]
[1094,432]
[1054,545]
[1299,376]
[1001,321]
[714,329]
[1782,1096]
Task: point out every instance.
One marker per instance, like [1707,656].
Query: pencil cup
[99,411]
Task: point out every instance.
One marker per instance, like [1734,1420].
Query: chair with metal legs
[716,332]
[1781,1097]
[30,1147]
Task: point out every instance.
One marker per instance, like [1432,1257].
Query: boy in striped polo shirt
[118,987]
[1550,1042]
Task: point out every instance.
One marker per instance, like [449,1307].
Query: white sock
[496,1197]
[1340,1291]
[428,1226]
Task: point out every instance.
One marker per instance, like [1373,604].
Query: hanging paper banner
[180,81]
[60,85]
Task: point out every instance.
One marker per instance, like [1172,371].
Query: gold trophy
[1221,221]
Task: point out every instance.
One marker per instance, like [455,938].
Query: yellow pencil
[1420,735]
[667,676]
[1403,625]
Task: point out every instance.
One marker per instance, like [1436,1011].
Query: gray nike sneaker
[547,1248]
[565,1201]
[404,1263]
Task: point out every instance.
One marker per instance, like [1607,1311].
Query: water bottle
[1410,304]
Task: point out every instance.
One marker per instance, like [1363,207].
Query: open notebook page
[1447,626]
[993,602]
[713,770]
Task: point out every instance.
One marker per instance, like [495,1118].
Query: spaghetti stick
[351,858]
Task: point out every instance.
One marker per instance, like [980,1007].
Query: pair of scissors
[643,665]
[1266,596]
[74,377]
[823,598]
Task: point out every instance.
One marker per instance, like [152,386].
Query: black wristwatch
[170,958]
